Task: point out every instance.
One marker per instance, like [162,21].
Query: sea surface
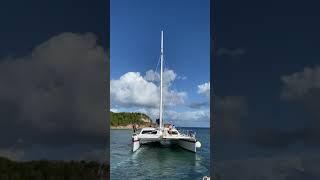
[157,162]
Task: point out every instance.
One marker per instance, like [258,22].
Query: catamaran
[164,135]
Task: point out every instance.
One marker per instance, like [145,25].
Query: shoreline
[124,128]
[127,127]
[140,127]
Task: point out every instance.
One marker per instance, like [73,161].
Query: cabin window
[149,132]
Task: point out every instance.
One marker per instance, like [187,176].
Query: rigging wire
[165,63]
[157,65]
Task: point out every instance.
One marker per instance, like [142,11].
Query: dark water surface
[154,162]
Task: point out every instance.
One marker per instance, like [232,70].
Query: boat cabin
[171,131]
[148,131]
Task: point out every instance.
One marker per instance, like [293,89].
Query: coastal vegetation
[52,170]
[129,118]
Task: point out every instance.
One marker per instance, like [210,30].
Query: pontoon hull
[135,143]
[165,137]
[188,144]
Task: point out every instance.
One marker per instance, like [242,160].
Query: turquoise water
[156,162]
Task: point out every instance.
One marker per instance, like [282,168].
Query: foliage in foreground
[51,170]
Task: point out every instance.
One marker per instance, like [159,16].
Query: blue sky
[135,42]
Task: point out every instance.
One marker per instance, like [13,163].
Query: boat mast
[161,69]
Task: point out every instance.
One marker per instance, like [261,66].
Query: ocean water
[156,162]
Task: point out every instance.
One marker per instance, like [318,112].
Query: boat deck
[181,136]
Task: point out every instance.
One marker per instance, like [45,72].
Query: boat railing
[136,132]
[187,132]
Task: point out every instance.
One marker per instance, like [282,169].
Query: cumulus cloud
[299,84]
[152,76]
[114,110]
[204,89]
[133,89]
[168,77]
[180,118]
[134,92]
[189,118]
[303,88]
[55,94]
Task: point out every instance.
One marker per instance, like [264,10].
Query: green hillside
[128,118]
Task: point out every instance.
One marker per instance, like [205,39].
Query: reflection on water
[157,162]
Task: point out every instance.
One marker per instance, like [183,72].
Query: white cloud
[152,76]
[196,118]
[182,77]
[180,118]
[153,113]
[188,115]
[168,76]
[52,84]
[134,92]
[299,84]
[204,89]
[304,89]
[54,96]
[132,89]
[114,110]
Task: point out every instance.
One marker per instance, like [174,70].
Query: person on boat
[134,128]
[170,129]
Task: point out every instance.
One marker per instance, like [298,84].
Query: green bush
[126,118]
[50,170]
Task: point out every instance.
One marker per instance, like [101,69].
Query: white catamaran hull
[135,143]
[189,144]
